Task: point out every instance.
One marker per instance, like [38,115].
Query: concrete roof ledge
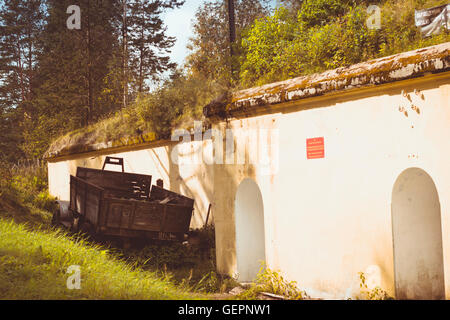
[402,66]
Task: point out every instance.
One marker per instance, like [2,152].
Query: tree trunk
[89,53]
[125,54]
[232,29]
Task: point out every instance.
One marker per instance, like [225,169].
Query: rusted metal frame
[108,161]
[207,216]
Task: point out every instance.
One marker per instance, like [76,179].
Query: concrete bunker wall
[325,219]
[328,219]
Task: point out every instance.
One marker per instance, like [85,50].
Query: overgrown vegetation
[175,104]
[376,293]
[34,257]
[271,281]
[59,86]
[191,265]
[78,88]
[297,38]
[24,194]
[55,79]
[328,34]
[38,270]
[34,264]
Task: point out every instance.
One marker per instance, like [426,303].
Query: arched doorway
[250,240]
[417,237]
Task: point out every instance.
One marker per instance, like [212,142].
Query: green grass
[35,257]
[24,194]
[33,265]
[190,266]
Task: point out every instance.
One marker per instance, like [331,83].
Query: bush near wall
[24,195]
[328,34]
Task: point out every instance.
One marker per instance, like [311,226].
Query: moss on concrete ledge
[402,66]
[69,145]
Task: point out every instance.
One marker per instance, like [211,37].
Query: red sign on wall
[315,148]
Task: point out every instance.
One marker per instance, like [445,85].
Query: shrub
[272,281]
[328,34]
[376,293]
[24,193]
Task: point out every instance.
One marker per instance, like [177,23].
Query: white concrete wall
[328,219]
[325,219]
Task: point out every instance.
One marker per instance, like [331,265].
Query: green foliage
[11,137]
[176,104]
[175,254]
[210,48]
[33,265]
[376,293]
[166,106]
[398,31]
[20,26]
[272,281]
[54,80]
[34,260]
[148,44]
[93,82]
[319,12]
[266,45]
[191,266]
[328,34]
[211,282]
[171,255]
[24,194]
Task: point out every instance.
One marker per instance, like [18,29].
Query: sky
[179,24]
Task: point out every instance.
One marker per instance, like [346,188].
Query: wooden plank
[85,198]
[118,184]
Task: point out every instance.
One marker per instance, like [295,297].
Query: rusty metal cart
[120,204]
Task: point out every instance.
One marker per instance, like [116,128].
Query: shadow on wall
[198,185]
[92,162]
[233,251]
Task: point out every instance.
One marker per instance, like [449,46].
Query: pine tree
[75,68]
[145,43]
[20,25]
[210,47]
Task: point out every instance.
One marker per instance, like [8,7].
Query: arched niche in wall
[250,238]
[417,237]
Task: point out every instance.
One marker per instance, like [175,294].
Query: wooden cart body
[120,204]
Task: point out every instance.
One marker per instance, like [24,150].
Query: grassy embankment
[34,258]
[33,265]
